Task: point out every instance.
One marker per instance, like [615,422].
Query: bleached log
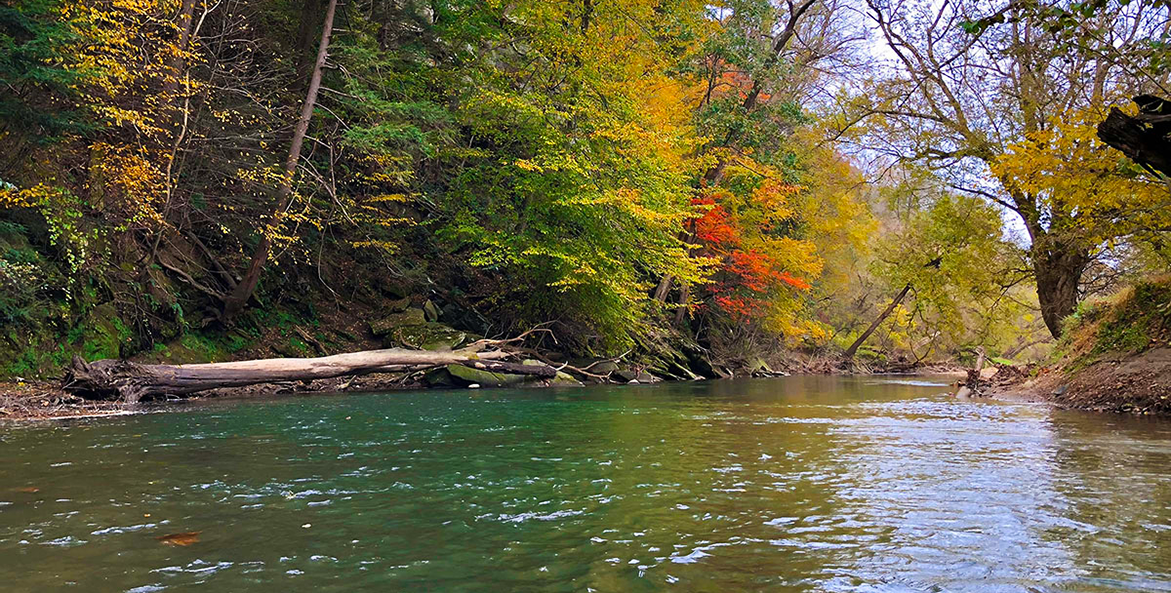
[131,381]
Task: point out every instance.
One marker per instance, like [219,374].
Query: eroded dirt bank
[1126,383]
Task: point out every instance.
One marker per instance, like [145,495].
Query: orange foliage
[747,276]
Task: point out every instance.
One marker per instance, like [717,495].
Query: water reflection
[799,484]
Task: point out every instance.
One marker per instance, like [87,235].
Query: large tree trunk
[853,349]
[1058,273]
[132,381]
[239,297]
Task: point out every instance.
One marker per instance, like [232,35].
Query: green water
[798,484]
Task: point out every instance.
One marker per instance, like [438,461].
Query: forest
[879,183]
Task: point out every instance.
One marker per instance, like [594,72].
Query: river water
[796,484]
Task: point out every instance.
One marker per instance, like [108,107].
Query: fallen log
[132,382]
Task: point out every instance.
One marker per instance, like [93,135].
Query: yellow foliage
[1080,177]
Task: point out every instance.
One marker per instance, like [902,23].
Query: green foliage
[32,39]
[1137,320]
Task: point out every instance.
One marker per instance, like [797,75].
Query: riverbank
[1121,383]
[1115,356]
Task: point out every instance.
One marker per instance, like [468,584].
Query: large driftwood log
[132,381]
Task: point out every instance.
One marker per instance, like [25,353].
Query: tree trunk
[1058,273]
[664,288]
[684,296]
[306,34]
[853,349]
[179,60]
[132,381]
[239,297]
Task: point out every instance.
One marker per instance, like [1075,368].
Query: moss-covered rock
[396,306]
[458,375]
[430,311]
[426,336]
[393,321]
[564,380]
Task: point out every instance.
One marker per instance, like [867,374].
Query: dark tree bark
[1145,138]
[243,291]
[1058,273]
[853,349]
[307,34]
[664,288]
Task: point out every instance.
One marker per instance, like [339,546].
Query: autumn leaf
[179,539]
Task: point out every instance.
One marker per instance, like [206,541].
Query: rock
[664,375]
[394,320]
[397,306]
[426,336]
[430,311]
[645,377]
[468,375]
[439,377]
[1061,390]
[474,386]
[390,287]
[759,368]
[601,368]
[632,382]
[624,375]
[565,380]
[686,373]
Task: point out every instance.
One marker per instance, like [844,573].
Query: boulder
[397,306]
[388,323]
[458,375]
[426,336]
[565,380]
[430,311]
[440,377]
[603,367]
[624,375]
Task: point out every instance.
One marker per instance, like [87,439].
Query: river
[795,484]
